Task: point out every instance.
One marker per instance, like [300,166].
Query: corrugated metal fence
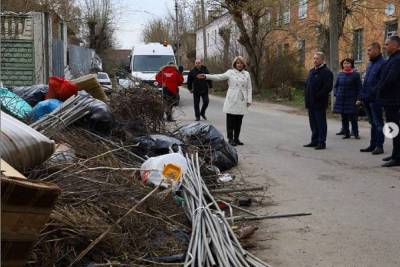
[82,60]
[58,58]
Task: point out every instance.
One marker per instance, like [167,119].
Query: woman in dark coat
[346,90]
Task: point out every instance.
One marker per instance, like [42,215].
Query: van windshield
[151,63]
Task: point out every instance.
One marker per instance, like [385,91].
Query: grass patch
[297,99]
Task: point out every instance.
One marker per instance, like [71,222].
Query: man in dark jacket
[367,98]
[388,93]
[199,88]
[318,87]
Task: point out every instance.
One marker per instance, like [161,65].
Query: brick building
[301,27]
[305,25]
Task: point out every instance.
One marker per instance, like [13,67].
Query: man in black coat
[388,89]
[199,88]
[318,87]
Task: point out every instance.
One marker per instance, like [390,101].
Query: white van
[147,60]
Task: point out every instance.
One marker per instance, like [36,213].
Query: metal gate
[17,63]
[17,49]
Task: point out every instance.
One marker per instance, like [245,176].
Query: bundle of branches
[97,218]
[67,113]
[213,242]
[139,110]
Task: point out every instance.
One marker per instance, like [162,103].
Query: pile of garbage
[100,185]
[118,180]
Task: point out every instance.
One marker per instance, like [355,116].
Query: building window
[303,5]
[268,17]
[278,17]
[321,5]
[286,15]
[302,51]
[358,45]
[391,29]
[390,9]
[286,12]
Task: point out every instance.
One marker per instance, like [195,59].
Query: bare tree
[157,30]
[251,18]
[98,16]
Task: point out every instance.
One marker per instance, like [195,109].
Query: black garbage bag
[100,119]
[155,145]
[32,94]
[205,136]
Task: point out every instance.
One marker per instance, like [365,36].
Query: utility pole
[177,32]
[333,39]
[203,22]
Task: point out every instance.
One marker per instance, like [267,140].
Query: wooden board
[25,208]
[9,171]
[90,84]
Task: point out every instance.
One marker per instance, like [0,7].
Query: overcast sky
[132,15]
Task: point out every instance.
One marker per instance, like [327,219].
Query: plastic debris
[14,104]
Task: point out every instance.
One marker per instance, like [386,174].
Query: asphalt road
[355,203]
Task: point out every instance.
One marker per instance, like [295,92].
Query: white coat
[239,91]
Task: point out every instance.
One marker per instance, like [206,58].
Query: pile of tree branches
[94,221]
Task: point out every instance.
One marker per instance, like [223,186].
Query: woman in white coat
[238,98]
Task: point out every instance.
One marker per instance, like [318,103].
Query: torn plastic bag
[43,108]
[155,145]
[61,89]
[164,170]
[64,154]
[32,94]
[100,119]
[204,136]
[14,104]
[22,146]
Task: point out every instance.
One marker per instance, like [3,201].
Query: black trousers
[196,100]
[393,115]
[233,125]
[318,125]
[170,100]
[346,120]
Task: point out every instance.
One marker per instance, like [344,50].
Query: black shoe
[347,136]
[387,158]
[197,119]
[204,116]
[311,145]
[357,137]
[377,151]
[320,147]
[238,142]
[392,163]
[368,149]
[340,133]
[230,141]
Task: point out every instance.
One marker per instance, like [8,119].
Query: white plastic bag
[165,170]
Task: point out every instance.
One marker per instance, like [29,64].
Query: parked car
[105,82]
[185,74]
